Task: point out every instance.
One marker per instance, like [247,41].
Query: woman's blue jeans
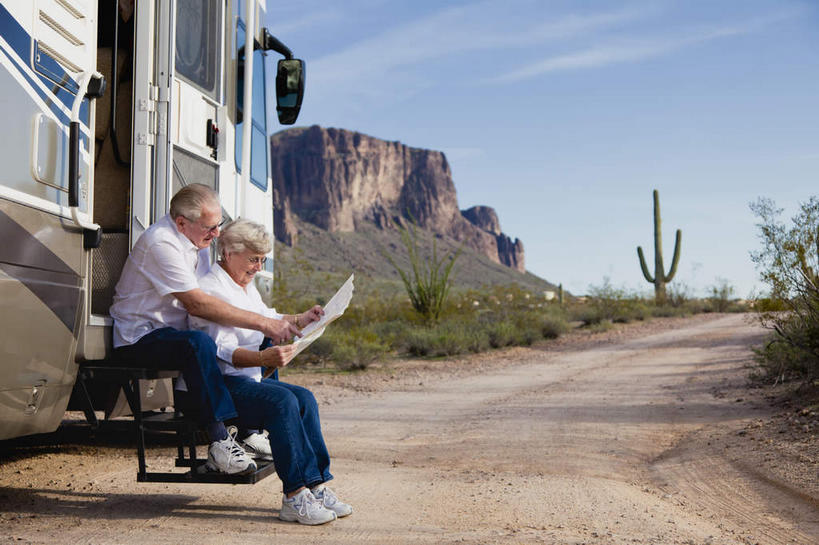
[290,415]
[193,353]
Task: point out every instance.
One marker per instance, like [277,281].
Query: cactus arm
[676,259]
[643,264]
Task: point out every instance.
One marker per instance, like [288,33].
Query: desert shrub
[446,339]
[352,349]
[668,311]
[788,263]
[552,327]
[587,314]
[679,294]
[607,302]
[720,295]
[501,333]
[601,326]
[427,280]
[392,332]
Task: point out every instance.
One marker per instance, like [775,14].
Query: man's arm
[200,304]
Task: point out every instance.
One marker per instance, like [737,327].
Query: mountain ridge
[342,181]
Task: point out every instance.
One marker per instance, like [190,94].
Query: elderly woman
[288,413]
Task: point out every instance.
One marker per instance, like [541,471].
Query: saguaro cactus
[660,279]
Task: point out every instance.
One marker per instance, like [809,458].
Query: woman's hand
[277,356]
[309,316]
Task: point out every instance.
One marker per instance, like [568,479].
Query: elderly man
[156,292]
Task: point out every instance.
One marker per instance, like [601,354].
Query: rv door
[177,103]
[151,107]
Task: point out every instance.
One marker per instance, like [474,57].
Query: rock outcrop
[337,179]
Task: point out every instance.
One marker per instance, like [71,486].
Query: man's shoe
[330,501]
[226,456]
[304,508]
[258,447]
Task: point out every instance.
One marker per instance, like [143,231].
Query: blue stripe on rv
[20,42]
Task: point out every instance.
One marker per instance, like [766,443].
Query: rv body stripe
[48,101]
[29,261]
[20,42]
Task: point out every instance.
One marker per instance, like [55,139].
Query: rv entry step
[185,429]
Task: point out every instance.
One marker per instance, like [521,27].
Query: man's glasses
[210,229]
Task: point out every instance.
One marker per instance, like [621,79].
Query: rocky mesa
[336,179]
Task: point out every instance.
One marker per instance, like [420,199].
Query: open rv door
[153,66]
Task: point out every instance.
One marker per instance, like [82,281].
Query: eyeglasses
[207,229]
[256,260]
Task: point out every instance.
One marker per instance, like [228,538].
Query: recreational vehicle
[109,108]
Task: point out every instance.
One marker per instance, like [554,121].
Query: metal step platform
[185,429]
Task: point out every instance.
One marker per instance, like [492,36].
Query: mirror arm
[271,42]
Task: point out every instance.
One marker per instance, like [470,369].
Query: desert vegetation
[788,263]
[426,313]
[382,322]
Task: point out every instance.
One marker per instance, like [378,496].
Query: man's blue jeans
[290,415]
[193,353]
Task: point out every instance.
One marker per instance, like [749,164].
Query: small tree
[788,263]
[427,281]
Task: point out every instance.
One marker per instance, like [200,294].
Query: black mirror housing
[289,89]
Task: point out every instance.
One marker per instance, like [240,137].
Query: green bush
[446,339]
[552,327]
[350,350]
[788,263]
[501,334]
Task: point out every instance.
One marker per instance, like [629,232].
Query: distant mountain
[347,193]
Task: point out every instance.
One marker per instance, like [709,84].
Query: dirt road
[641,440]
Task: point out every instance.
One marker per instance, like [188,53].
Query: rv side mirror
[289,89]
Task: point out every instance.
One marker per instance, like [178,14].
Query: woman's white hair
[241,235]
[189,201]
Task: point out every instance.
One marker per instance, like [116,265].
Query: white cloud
[452,31]
[636,50]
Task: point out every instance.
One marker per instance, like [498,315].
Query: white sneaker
[258,447]
[226,456]
[304,508]
[330,501]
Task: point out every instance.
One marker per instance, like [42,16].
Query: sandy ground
[645,434]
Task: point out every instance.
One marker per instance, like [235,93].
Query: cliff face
[337,179]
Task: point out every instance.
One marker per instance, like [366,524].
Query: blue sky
[565,115]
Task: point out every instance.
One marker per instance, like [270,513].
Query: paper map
[333,310]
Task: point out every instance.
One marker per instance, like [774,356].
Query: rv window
[258,140]
[198,43]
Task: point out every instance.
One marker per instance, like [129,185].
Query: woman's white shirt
[228,338]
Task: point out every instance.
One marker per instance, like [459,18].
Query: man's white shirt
[228,338]
[162,262]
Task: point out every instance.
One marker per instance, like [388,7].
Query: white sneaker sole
[295,518]
[340,515]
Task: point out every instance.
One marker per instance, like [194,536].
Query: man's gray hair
[243,234]
[189,201]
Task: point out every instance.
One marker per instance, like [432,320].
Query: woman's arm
[273,357]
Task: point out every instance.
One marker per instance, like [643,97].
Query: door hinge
[155,124]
